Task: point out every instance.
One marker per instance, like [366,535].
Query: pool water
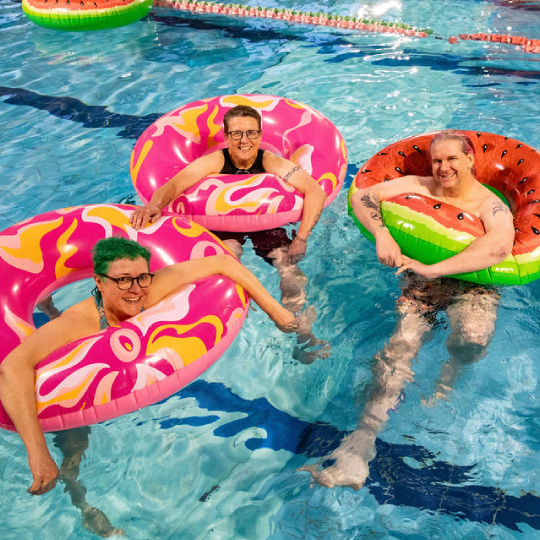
[220,459]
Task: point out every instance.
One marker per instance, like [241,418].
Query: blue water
[219,460]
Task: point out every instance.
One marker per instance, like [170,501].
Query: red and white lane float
[85,14]
[430,231]
[143,360]
[240,202]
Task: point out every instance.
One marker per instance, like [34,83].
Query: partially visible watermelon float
[84,15]
[431,231]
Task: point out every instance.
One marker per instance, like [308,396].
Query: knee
[469,345]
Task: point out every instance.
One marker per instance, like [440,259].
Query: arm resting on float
[180,182]
[366,204]
[17,392]
[487,250]
[172,278]
[314,195]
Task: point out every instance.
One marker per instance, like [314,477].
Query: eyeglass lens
[251,134]
[126,282]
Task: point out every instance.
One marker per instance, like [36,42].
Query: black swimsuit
[264,242]
[230,168]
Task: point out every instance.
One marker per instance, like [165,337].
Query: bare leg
[73,444]
[47,306]
[391,371]
[293,296]
[472,321]
[235,247]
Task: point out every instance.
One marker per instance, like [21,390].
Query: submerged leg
[47,306]
[472,321]
[391,371]
[73,443]
[293,284]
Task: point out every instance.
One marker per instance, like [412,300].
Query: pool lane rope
[318,19]
[337,21]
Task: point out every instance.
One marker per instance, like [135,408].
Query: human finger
[39,487]
[402,269]
[135,218]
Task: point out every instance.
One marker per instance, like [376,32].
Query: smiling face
[244,151]
[450,165]
[121,305]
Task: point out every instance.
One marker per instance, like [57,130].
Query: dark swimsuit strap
[98,300]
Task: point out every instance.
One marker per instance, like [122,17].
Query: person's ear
[99,282]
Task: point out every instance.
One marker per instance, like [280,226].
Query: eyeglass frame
[133,280]
[258,131]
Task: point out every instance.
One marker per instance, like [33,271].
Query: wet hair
[455,135]
[108,250]
[242,111]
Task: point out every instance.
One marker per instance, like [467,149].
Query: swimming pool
[219,460]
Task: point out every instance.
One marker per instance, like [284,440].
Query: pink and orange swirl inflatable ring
[240,203]
[145,359]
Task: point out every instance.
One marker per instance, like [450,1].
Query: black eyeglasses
[251,134]
[125,283]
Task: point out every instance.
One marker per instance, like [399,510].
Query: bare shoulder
[492,207]
[79,321]
[275,164]
[205,165]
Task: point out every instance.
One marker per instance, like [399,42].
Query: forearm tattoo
[371,203]
[500,207]
[290,173]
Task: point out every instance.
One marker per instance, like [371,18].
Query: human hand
[44,471]
[388,251]
[297,250]
[301,323]
[144,214]
[424,270]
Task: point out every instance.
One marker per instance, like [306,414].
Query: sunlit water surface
[219,460]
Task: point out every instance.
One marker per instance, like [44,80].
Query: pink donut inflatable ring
[240,203]
[123,368]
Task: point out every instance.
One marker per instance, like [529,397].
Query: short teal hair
[108,250]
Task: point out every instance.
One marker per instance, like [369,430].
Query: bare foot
[350,463]
[349,470]
[312,349]
[97,522]
[441,393]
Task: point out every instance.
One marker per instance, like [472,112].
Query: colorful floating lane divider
[102,14]
[82,15]
[319,19]
[137,363]
[528,45]
[431,231]
[347,22]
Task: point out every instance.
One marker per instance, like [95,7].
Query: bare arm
[172,278]
[487,250]
[366,204]
[17,392]
[187,177]
[314,197]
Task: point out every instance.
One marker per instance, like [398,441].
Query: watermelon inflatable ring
[85,14]
[431,231]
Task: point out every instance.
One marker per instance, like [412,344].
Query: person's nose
[135,287]
[244,136]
